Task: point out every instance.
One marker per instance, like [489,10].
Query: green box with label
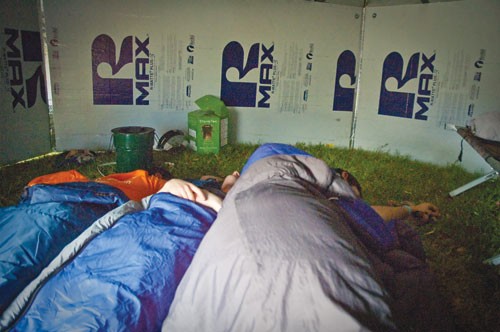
[208,127]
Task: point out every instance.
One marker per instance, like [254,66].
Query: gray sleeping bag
[280,257]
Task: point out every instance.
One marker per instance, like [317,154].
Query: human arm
[187,190]
[423,211]
[213,201]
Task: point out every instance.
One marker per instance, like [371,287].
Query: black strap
[461,150]
[167,136]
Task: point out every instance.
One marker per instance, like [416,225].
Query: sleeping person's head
[351,180]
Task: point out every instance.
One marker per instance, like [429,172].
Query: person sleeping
[210,190]
[294,248]
[424,212]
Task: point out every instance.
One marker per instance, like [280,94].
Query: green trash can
[134,148]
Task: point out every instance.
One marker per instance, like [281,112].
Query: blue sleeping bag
[47,218]
[126,277]
[272,149]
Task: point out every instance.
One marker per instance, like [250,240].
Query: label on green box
[207,131]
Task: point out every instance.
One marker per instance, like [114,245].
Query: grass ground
[457,244]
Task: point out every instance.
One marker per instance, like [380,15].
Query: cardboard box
[208,127]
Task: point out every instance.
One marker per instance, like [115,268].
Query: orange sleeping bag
[135,185]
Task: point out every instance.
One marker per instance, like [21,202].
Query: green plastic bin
[134,148]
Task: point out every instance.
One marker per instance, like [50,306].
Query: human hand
[425,212]
[184,189]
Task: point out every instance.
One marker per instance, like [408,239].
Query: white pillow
[486,126]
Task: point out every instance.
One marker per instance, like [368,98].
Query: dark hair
[160,172]
[351,180]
